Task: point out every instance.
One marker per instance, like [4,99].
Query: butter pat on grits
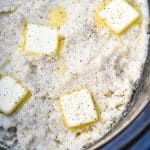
[78,108]
[118,15]
[12,93]
[40,39]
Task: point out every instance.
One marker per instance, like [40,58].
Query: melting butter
[57,17]
[23,43]
[98,21]
[100,24]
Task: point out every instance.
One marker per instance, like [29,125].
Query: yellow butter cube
[40,39]
[12,94]
[78,108]
[118,15]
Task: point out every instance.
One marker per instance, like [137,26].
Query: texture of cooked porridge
[91,56]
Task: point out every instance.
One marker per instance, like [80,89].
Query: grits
[91,57]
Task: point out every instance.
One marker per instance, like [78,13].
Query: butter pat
[78,108]
[118,15]
[41,39]
[12,94]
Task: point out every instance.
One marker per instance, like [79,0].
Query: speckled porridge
[92,57]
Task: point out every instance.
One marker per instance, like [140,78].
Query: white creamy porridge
[92,57]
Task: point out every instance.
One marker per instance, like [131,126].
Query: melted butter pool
[57,17]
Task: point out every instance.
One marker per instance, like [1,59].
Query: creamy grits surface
[91,56]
